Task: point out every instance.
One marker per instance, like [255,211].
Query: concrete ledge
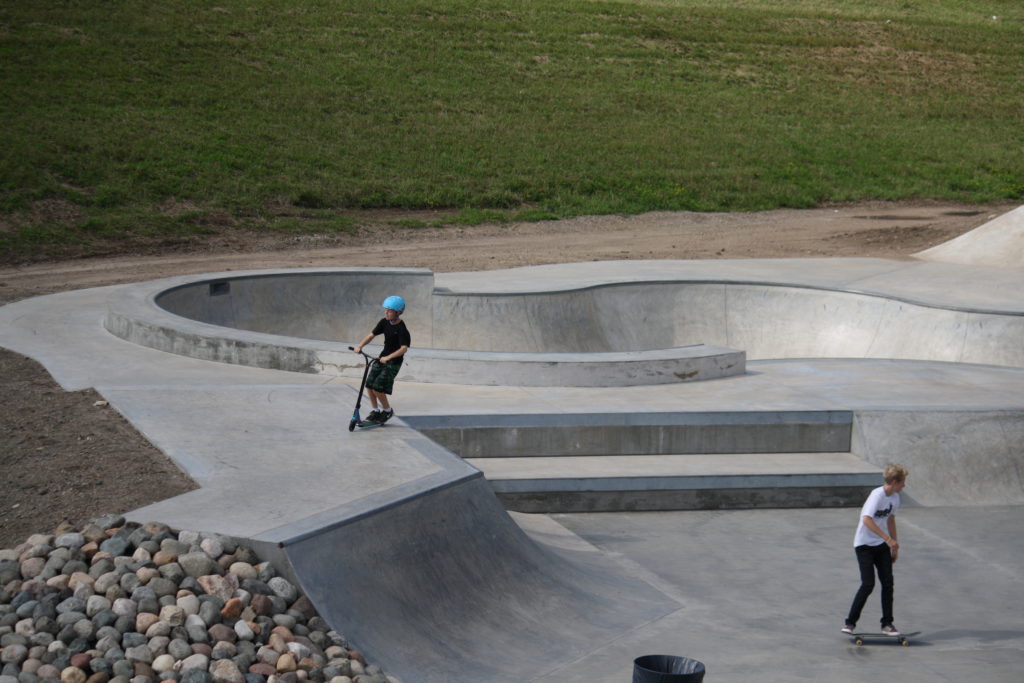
[604,434]
[688,499]
[620,462]
[653,484]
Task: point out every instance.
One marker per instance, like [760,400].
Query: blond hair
[895,473]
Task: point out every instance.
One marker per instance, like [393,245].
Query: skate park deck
[404,547]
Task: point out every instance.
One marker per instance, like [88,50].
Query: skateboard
[903,639]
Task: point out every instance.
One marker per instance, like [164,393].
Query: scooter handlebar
[363,353]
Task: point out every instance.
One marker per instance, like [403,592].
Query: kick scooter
[357,421]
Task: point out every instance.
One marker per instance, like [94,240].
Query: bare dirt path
[65,459]
[882,229]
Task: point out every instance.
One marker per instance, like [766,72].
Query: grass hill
[128,121]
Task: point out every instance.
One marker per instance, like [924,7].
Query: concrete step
[503,436]
[608,483]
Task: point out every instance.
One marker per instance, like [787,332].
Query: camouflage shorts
[382,376]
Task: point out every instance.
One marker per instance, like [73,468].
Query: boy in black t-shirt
[381,379]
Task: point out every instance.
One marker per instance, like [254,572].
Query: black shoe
[385,415]
[373,416]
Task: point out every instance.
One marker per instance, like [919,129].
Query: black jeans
[870,558]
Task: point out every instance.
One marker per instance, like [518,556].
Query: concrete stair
[671,461]
[678,482]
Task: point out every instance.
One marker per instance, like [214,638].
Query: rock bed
[119,602]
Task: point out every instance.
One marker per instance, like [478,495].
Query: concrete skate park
[592,462]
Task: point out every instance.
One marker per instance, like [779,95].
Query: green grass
[272,115]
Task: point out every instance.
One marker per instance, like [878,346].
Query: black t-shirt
[395,336]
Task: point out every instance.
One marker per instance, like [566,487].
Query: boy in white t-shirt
[878,549]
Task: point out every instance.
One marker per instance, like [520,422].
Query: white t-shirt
[879,507]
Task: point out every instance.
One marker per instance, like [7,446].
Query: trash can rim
[668,664]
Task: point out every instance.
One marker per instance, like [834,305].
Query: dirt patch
[64,458]
[912,237]
[68,456]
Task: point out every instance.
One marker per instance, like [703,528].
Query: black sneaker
[385,415]
[373,416]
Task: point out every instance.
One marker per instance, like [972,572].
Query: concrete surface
[404,547]
[764,593]
[999,243]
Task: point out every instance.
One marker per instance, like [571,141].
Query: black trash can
[667,669]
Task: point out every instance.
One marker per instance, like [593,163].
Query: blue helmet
[395,303]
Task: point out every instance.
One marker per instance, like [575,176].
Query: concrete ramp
[1000,242]
[448,588]
[957,457]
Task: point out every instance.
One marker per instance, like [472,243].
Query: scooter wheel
[351,425]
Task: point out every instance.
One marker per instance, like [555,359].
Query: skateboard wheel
[904,642]
[858,641]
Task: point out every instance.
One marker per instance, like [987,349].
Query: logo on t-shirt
[882,514]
